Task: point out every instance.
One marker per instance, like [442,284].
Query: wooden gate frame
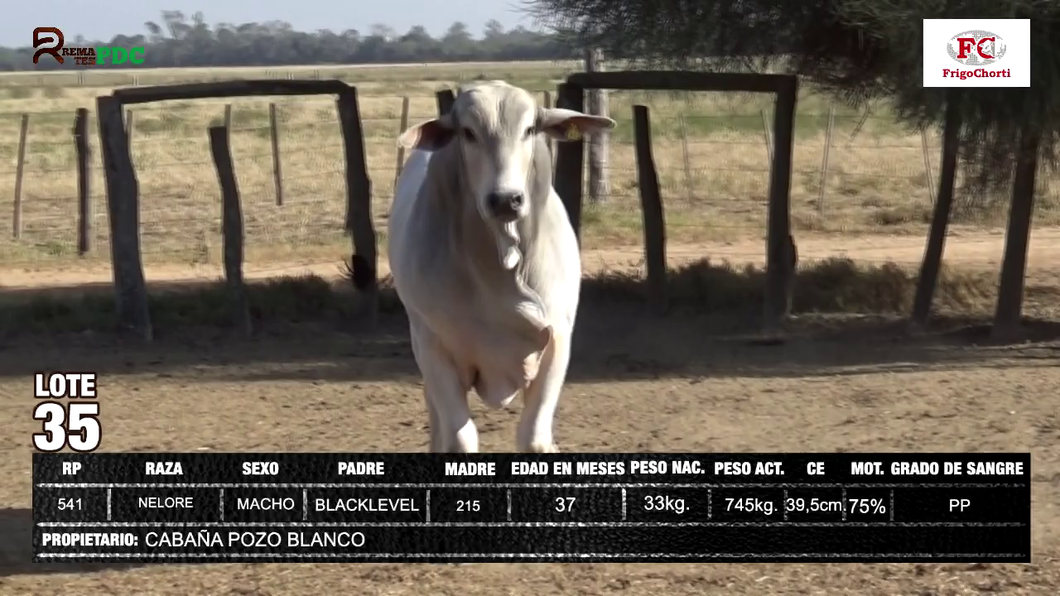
[779,244]
[123,189]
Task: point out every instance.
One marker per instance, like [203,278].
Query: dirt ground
[965,247]
[670,385]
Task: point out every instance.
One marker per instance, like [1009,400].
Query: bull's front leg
[445,393]
[452,429]
[534,434]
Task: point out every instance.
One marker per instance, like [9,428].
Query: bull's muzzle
[505,206]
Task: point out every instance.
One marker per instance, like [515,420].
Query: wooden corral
[780,253]
[123,194]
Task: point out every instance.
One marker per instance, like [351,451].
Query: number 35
[82,432]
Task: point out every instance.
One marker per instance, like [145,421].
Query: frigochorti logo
[977,48]
[979,51]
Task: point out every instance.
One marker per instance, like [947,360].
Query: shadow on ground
[612,342]
[309,327]
[16,550]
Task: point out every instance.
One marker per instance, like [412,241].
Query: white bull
[486,262]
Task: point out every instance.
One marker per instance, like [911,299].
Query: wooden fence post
[403,126]
[130,290]
[445,99]
[570,159]
[548,140]
[364,261]
[928,176]
[824,158]
[780,246]
[689,185]
[652,210]
[768,137]
[129,126]
[277,169]
[231,228]
[19,168]
[84,196]
[599,179]
[932,264]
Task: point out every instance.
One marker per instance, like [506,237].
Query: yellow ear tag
[573,134]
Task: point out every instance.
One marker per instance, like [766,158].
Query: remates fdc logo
[50,41]
[982,52]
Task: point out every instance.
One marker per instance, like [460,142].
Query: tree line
[180,41]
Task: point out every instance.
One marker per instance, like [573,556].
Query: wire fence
[851,175]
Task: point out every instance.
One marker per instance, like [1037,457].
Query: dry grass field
[849,378]
[877,180]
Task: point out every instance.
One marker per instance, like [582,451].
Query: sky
[102,20]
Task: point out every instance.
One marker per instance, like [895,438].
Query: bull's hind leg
[437,445]
[452,429]
[534,434]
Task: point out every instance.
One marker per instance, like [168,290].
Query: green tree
[457,43]
[858,50]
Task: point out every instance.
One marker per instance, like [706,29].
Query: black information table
[180,507]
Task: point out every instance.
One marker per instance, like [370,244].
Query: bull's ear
[428,136]
[570,125]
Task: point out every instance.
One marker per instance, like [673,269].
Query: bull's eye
[469,136]
[529,132]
